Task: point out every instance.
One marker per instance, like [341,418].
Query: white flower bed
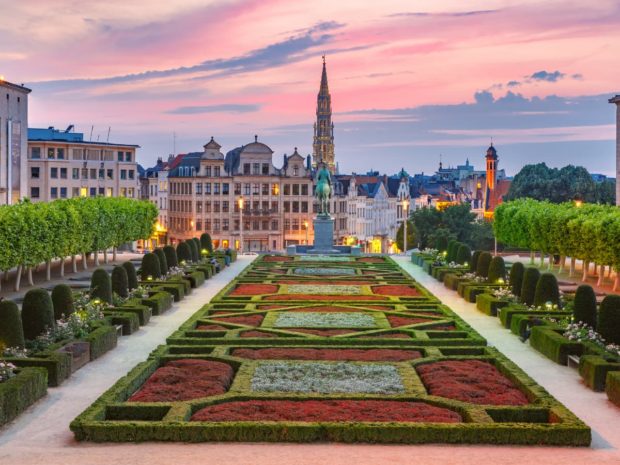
[323,258]
[324,320]
[327,378]
[324,271]
[325,289]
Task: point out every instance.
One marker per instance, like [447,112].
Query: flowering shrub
[293,353]
[473,277]
[7,371]
[254,289]
[581,332]
[16,352]
[324,320]
[396,290]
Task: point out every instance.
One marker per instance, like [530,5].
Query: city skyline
[408,81]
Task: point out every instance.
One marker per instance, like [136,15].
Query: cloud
[547,76]
[220,108]
[513,84]
[454,14]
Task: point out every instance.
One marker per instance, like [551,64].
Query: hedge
[206,242]
[151,268]
[584,306]
[528,288]
[132,277]
[463,255]
[547,290]
[594,368]
[57,365]
[497,270]
[516,278]
[184,252]
[101,285]
[482,266]
[158,302]
[11,329]
[171,256]
[609,319]
[548,341]
[489,304]
[128,320]
[120,281]
[473,264]
[101,340]
[20,392]
[163,262]
[37,313]
[612,387]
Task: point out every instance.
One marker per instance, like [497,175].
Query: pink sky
[233,69]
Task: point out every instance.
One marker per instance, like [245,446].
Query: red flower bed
[255,289]
[250,320]
[294,353]
[321,332]
[260,334]
[472,381]
[276,258]
[326,410]
[212,328]
[184,380]
[389,336]
[396,290]
[371,260]
[442,328]
[322,297]
[396,321]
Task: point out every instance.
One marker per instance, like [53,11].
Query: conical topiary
[163,263]
[463,255]
[516,278]
[62,299]
[473,263]
[120,281]
[206,242]
[101,286]
[451,250]
[584,309]
[11,330]
[484,261]
[37,313]
[528,288]
[547,290]
[197,248]
[609,319]
[497,270]
[184,253]
[171,256]
[132,277]
[150,267]
[441,243]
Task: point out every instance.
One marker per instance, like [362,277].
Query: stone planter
[80,354]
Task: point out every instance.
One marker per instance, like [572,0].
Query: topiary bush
[62,299]
[609,319]
[120,281]
[171,256]
[547,290]
[101,285]
[451,250]
[184,253]
[463,255]
[37,313]
[528,288]
[206,242]
[473,263]
[196,242]
[163,262]
[441,243]
[484,261]
[516,278]
[497,269]
[150,267]
[132,277]
[584,309]
[11,329]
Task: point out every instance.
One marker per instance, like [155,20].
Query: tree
[411,236]
[426,221]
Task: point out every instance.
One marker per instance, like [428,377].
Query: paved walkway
[41,435]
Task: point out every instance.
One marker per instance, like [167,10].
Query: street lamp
[406,214]
[240,203]
[306,226]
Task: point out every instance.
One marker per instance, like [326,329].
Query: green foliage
[62,298]
[584,309]
[206,242]
[484,261]
[528,288]
[473,264]
[101,285]
[150,267]
[11,330]
[120,281]
[463,255]
[411,236]
[609,319]
[20,392]
[497,269]
[197,247]
[482,237]
[441,243]
[456,222]
[171,256]
[184,252]
[37,313]
[547,290]
[516,278]
[163,262]
[451,250]
[458,219]
[132,277]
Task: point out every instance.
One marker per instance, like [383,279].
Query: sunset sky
[410,80]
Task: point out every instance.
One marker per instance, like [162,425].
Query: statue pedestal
[323,235]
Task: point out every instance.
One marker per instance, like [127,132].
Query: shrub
[184,253]
[194,246]
[497,269]
[132,277]
[11,330]
[171,256]
[516,278]
[37,313]
[62,299]
[585,305]
[120,281]
[452,245]
[150,267]
[206,242]
[484,261]
[528,288]
[441,243]
[547,290]
[609,319]
[473,264]
[196,242]
[463,255]
[163,262]
[101,286]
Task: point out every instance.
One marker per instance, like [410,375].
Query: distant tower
[616,100]
[323,144]
[489,200]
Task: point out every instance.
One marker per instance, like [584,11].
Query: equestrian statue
[323,190]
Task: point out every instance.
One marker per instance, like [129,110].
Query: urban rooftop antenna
[108,138]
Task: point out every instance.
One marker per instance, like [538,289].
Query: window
[255,168]
[246,188]
[265,225]
[131,174]
[295,189]
[83,191]
[225,206]
[275,189]
[304,207]
[225,224]
[198,207]
[130,192]
[207,225]
[63,192]
[63,173]
[199,188]
[265,169]
[60,154]
[304,189]
[216,206]
[296,224]
[295,170]
[109,192]
[287,189]
[236,225]
[216,225]
[78,154]
[75,173]
[75,192]
[225,188]
[54,192]
[110,174]
[274,206]
[287,207]
[101,173]
[237,188]
[123,174]
[265,189]
[120,156]
[54,173]
[198,225]
[208,171]
[35,172]
[216,171]
[295,207]
[255,188]
[207,188]
[50,153]
[274,225]
[255,225]
[101,191]
[207,207]
[34,192]
[127,156]
[287,224]
[216,188]
[35,153]
[93,192]
[246,168]
[93,173]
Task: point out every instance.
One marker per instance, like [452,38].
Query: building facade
[323,150]
[13,142]
[616,100]
[61,164]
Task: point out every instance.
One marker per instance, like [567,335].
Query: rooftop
[51,134]
[17,87]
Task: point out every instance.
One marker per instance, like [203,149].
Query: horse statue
[323,190]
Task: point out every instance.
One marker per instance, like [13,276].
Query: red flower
[249,320]
[276,258]
[396,321]
[322,297]
[254,289]
[396,290]
[257,334]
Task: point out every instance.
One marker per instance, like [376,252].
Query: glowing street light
[306,226]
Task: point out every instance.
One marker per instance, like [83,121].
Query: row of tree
[588,232]
[34,233]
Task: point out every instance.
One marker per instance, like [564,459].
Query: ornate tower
[323,144]
[489,196]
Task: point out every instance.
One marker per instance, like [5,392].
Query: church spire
[323,144]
